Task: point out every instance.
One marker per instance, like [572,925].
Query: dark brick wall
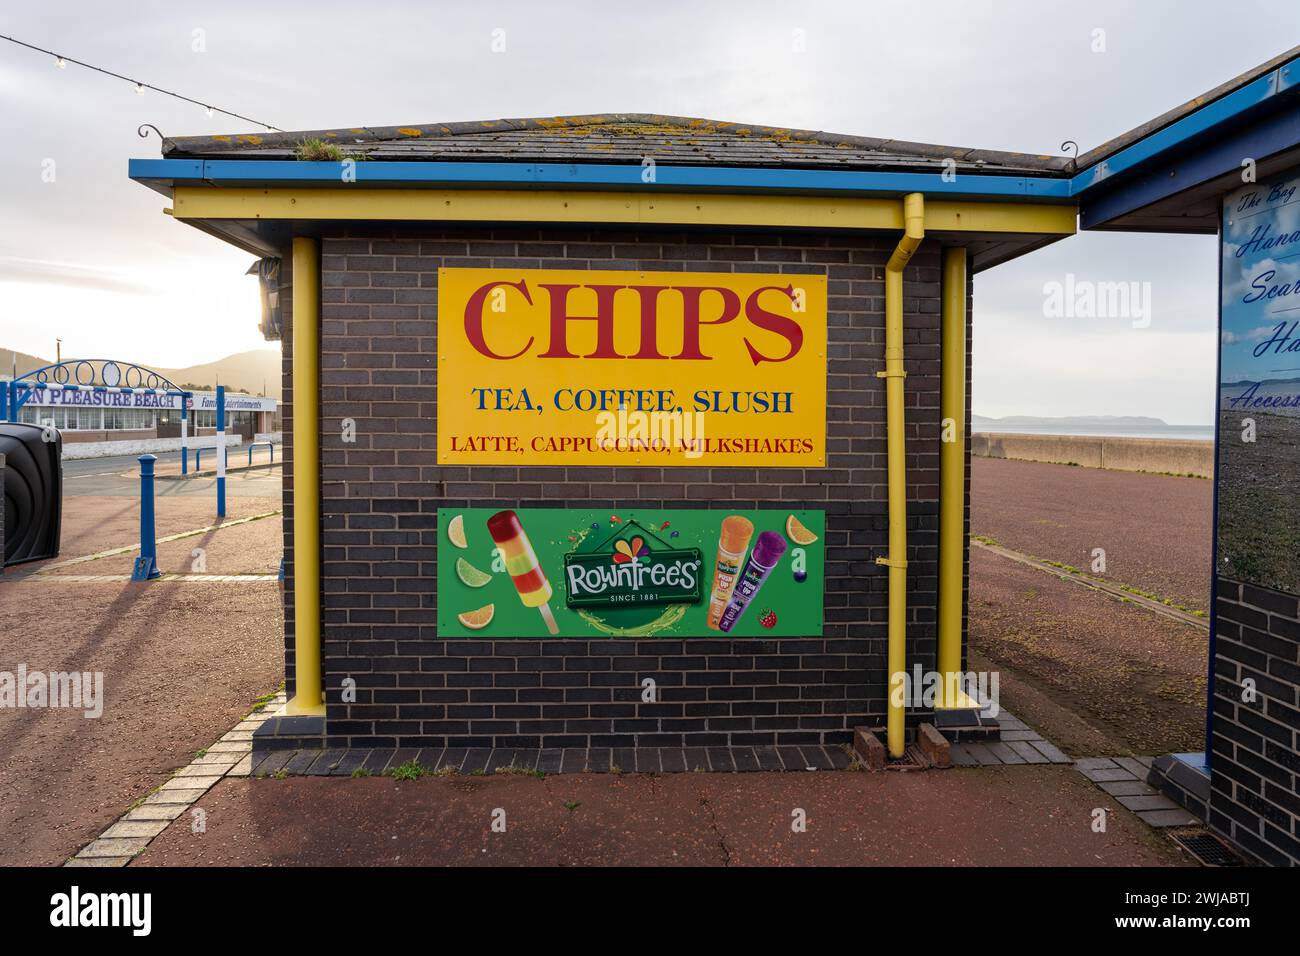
[2,517]
[380,496]
[1255,764]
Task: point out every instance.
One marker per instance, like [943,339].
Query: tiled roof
[621,139]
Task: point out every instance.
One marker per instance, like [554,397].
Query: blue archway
[88,375]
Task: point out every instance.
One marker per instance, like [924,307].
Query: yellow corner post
[896,561]
[952,476]
[308,696]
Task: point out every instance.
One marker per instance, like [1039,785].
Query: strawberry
[768,619]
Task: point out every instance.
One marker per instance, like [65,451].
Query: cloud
[49,272]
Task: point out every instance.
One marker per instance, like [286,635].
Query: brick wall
[1255,764]
[380,496]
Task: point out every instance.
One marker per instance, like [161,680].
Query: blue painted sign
[1259,385]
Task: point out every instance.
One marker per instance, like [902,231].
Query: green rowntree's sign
[628,569]
[554,572]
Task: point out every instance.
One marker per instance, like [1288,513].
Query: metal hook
[1065,147]
[147,126]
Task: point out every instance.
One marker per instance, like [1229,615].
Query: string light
[62,61]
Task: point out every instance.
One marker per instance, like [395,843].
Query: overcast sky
[91,259]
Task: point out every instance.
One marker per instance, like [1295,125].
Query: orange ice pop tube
[733,542]
[522,565]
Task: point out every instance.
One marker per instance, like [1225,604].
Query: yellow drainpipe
[896,561]
[308,697]
[952,477]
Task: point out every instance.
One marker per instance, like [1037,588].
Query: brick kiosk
[886,233]
[379,496]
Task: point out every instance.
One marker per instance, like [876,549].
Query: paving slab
[156,811]
[1168,818]
[1127,788]
[1108,774]
[1134,766]
[1028,751]
[1004,753]
[1154,801]
[1095,763]
[1050,751]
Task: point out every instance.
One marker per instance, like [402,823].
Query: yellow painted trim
[503,205]
[1001,217]
[952,469]
[914,219]
[308,695]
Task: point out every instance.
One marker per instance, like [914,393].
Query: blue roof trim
[1284,79]
[1216,157]
[560,175]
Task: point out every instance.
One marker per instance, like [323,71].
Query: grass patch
[316,150]
[410,770]
[515,771]
[260,703]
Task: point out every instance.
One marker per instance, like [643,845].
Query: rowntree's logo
[624,570]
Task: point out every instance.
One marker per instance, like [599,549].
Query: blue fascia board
[1225,109]
[1276,133]
[568,175]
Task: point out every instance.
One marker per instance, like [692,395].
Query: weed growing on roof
[316,150]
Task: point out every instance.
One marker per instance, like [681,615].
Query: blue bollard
[146,566]
[223,453]
[185,461]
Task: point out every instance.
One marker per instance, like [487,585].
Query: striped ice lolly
[522,565]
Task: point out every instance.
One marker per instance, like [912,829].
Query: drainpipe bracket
[895,374]
[902,563]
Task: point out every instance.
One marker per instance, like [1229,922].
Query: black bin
[33,490]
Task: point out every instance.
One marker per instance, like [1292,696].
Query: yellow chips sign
[560,367]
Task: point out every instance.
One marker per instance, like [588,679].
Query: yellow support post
[896,561]
[308,695]
[952,477]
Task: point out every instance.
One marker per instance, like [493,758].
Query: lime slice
[456,531]
[796,532]
[470,575]
[477,620]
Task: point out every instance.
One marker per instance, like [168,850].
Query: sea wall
[1167,456]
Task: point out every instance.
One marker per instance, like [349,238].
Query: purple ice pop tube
[762,559]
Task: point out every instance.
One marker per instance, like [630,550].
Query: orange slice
[796,532]
[477,620]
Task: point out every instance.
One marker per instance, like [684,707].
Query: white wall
[140,446]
